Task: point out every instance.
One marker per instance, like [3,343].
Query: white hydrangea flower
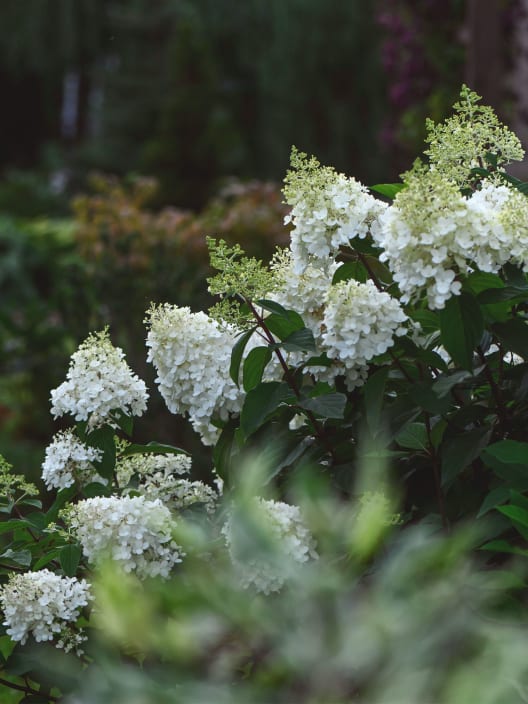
[432,233]
[304,292]
[145,465]
[292,545]
[98,382]
[178,494]
[159,477]
[191,354]
[418,236]
[499,219]
[44,605]
[360,323]
[133,531]
[68,460]
[328,210]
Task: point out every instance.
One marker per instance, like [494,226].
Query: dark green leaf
[62,498]
[514,334]
[124,421]
[96,489]
[373,393]
[443,385]
[507,452]
[299,341]
[460,451]
[223,450]
[150,448]
[69,558]
[260,404]
[350,270]
[493,499]
[46,559]
[481,281]
[19,557]
[282,326]
[461,328]
[503,546]
[254,366]
[413,436]
[237,353]
[103,439]
[497,295]
[422,393]
[38,520]
[327,406]
[295,454]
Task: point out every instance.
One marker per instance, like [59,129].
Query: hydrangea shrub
[379,361]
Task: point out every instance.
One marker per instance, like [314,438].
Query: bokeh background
[131,129]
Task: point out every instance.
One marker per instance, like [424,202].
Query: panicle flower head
[44,605]
[290,544]
[178,494]
[191,354]
[68,460]
[98,382]
[463,141]
[12,484]
[304,292]
[160,477]
[432,234]
[132,531]
[360,323]
[328,209]
[145,465]
[418,235]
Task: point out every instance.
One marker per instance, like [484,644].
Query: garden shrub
[362,535]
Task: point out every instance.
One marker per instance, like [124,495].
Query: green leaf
[413,436]
[237,353]
[503,546]
[422,393]
[295,454]
[89,491]
[260,404]
[223,450]
[19,557]
[299,341]
[498,295]
[281,322]
[69,558]
[514,334]
[493,499]
[350,270]
[327,405]
[46,559]
[460,451]
[150,448]
[283,327]
[461,328]
[518,517]
[103,439]
[482,281]
[389,190]
[254,366]
[124,421]
[443,385]
[507,452]
[373,393]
